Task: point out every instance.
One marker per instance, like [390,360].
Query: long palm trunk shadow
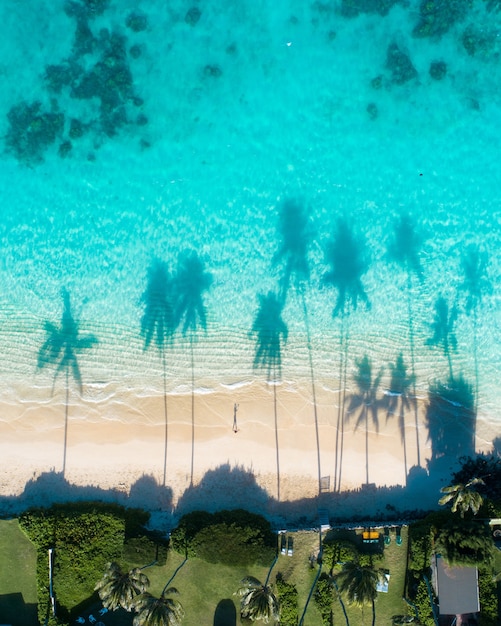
[277,448]
[166,416]
[475,365]
[192,414]
[343,408]
[413,367]
[343,360]
[401,420]
[313,390]
[66,416]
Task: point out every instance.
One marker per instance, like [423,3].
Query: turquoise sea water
[255,107]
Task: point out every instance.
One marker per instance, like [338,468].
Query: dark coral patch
[192,16]
[32,131]
[400,65]
[438,70]
[137,22]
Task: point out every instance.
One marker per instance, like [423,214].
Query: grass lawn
[206,589]
[387,604]
[18,589]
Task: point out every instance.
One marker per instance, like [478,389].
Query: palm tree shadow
[60,350]
[450,419]
[400,398]
[158,326]
[365,401]
[476,284]
[191,282]
[443,329]
[296,234]
[270,331]
[404,250]
[347,266]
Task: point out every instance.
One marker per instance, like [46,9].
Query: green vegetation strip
[18,588]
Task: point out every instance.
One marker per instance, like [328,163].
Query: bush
[146,548]
[422,602]
[465,542]
[288,598]
[420,546]
[487,588]
[230,537]
[85,536]
[324,598]
[339,551]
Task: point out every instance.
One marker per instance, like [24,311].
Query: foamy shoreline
[125,457]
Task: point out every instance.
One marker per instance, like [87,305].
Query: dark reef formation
[97,71]
[436,17]
[400,65]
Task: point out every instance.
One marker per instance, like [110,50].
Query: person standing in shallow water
[235,426]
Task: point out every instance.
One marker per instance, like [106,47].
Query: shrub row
[85,536]
[230,537]
[288,597]
[324,598]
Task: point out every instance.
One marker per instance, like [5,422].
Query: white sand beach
[229,468]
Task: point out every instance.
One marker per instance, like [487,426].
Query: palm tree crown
[258,602]
[358,583]
[463,498]
[163,611]
[63,343]
[120,589]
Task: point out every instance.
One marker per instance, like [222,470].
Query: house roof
[457,589]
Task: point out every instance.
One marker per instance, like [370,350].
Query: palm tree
[158,325]
[162,611]
[405,251]
[60,349]
[399,396]
[463,498]
[270,332]
[258,602]
[358,584]
[120,589]
[443,329]
[348,265]
[366,401]
[192,281]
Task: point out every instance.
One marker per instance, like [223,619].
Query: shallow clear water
[255,106]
